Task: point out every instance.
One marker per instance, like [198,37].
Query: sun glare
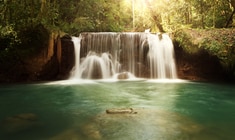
[144,11]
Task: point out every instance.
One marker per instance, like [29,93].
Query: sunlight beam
[133,14]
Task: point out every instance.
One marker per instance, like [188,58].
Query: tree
[232,2]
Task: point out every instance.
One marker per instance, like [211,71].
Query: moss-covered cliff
[205,54]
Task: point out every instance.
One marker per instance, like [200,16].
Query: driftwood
[121,111]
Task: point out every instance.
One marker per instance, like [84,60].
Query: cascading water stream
[123,55]
[161,57]
[76,72]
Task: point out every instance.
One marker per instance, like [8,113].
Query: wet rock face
[67,58]
[54,60]
[58,62]
[199,66]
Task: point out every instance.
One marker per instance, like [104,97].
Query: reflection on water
[165,111]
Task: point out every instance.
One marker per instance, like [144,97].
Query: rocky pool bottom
[143,110]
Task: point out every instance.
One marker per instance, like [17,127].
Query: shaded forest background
[26,25]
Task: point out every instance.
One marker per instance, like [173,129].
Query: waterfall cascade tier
[106,54]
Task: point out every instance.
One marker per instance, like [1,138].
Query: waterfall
[76,72]
[161,57]
[106,55]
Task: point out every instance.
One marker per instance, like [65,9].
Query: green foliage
[78,16]
[33,40]
[196,14]
[16,46]
[186,41]
[9,40]
[27,39]
[8,37]
[222,44]
[98,15]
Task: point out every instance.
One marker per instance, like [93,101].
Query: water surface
[165,111]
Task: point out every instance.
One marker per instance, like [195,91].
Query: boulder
[123,75]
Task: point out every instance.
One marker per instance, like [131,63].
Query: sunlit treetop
[118,15]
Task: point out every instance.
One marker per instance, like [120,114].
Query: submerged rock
[19,123]
[75,134]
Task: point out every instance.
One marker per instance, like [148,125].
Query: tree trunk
[230,19]
[202,14]
[233,3]
[42,9]
[156,17]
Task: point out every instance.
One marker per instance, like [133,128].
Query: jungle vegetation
[77,16]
